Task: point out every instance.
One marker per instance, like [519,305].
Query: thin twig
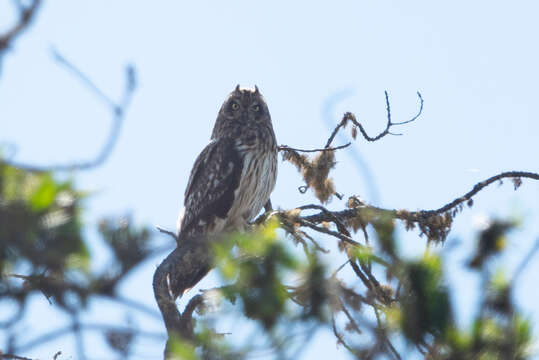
[340,226]
[351,117]
[339,336]
[392,348]
[52,335]
[361,276]
[26,15]
[12,356]
[134,305]
[352,321]
[343,237]
[286,147]
[478,187]
[336,271]
[62,61]
[520,268]
[168,232]
[118,111]
[383,332]
[79,339]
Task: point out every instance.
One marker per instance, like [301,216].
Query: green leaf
[181,350]
[426,306]
[80,260]
[44,195]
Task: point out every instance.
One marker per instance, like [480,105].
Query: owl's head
[242,109]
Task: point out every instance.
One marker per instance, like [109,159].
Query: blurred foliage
[279,287]
[414,305]
[39,213]
[258,264]
[43,249]
[384,299]
[425,302]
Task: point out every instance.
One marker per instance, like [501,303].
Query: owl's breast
[257,182]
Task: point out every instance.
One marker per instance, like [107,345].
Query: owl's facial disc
[245,105]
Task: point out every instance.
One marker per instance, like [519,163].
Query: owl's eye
[256,108]
[234,106]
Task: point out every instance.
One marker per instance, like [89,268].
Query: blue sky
[475,64]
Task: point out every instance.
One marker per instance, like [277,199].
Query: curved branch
[191,260]
[351,117]
[436,223]
[345,238]
[182,269]
[26,15]
[480,186]
[12,356]
[288,148]
[99,327]
[415,215]
[118,111]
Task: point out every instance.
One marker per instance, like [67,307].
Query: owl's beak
[244,117]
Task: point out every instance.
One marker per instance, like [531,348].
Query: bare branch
[102,328]
[434,223]
[340,226]
[12,356]
[79,340]
[340,339]
[288,148]
[321,229]
[133,305]
[524,263]
[168,232]
[478,187]
[83,78]
[118,111]
[351,117]
[416,215]
[26,16]
[182,269]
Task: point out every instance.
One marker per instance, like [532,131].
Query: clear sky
[475,63]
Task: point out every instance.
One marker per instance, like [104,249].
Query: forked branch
[349,117]
[26,15]
[352,118]
[435,223]
[117,109]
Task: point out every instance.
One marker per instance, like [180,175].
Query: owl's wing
[213,181]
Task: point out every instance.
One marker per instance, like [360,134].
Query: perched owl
[235,174]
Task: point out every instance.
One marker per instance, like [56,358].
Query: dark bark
[182,269]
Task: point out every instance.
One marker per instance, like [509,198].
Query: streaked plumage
[233,176]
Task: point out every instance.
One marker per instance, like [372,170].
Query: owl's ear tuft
[237,89]
[257,92]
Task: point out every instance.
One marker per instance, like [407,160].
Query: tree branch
[118,111]
[288,148]
[435,223]
[26,16]
[516,175]
[182,269]
[102,328]
[351,117]
[12,356]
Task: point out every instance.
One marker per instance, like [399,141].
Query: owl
[233,177]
